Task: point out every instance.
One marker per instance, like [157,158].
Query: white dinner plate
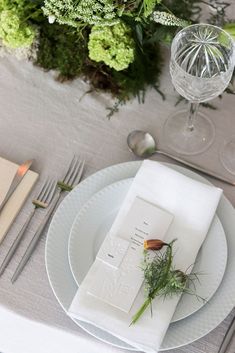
[64,286]
[94,221]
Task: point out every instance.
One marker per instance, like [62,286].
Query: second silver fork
[41,201]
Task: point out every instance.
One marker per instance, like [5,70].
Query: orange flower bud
[153,244]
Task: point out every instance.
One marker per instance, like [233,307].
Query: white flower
[51,19]
[71,12]
[168,19]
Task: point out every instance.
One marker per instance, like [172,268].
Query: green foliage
[123,54]
[230,28]
[15,30]
[96,12]
[161,278]
[149,6]
[143,72]
[63,49]
[156,273]
[10,21]
[113,45]
[72,12]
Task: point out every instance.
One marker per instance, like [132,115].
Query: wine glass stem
[192,113]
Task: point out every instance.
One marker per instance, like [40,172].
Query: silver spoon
[143,145]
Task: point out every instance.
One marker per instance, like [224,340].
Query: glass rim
[209,25]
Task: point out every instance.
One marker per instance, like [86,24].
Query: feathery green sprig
[162,279]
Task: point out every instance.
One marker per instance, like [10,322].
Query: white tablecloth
[43,119]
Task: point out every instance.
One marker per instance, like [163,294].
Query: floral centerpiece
[115,44]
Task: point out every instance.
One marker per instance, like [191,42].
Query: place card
[17,199]
[118,275]
[144,221]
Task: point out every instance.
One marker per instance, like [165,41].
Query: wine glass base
[227,155]
[189,142]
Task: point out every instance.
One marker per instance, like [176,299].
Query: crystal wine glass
[201,67]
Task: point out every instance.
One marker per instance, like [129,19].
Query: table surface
[49,121]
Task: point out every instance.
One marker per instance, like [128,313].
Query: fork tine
[43,190]
[69,169]
[72,171]
[54,185]
[79,175]
[49,191]
[74,174]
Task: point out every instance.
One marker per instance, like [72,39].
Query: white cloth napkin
[193,205]
[16,201]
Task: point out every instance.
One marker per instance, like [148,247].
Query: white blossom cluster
[168,19]
[94,12]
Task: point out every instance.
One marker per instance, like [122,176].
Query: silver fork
[229,335]
[41,201]
[72,178]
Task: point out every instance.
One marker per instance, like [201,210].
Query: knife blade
[228,337]
[20,173]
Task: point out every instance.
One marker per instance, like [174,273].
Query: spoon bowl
[141,143]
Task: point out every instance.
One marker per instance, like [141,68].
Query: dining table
[50,121]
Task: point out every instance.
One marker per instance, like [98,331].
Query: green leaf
[139,34]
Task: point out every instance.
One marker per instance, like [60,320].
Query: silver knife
[20,173]
[228,337]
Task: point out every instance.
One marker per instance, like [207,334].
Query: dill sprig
[160,276]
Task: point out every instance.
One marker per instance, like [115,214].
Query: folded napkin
[193,205]
[16,201]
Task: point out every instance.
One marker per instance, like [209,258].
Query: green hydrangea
[13,32]
[71,12]
[113,45]
[10,22]
[230,28]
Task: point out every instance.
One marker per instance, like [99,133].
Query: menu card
[118,275]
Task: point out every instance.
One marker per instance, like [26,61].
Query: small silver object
[228,337]
[143,145]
